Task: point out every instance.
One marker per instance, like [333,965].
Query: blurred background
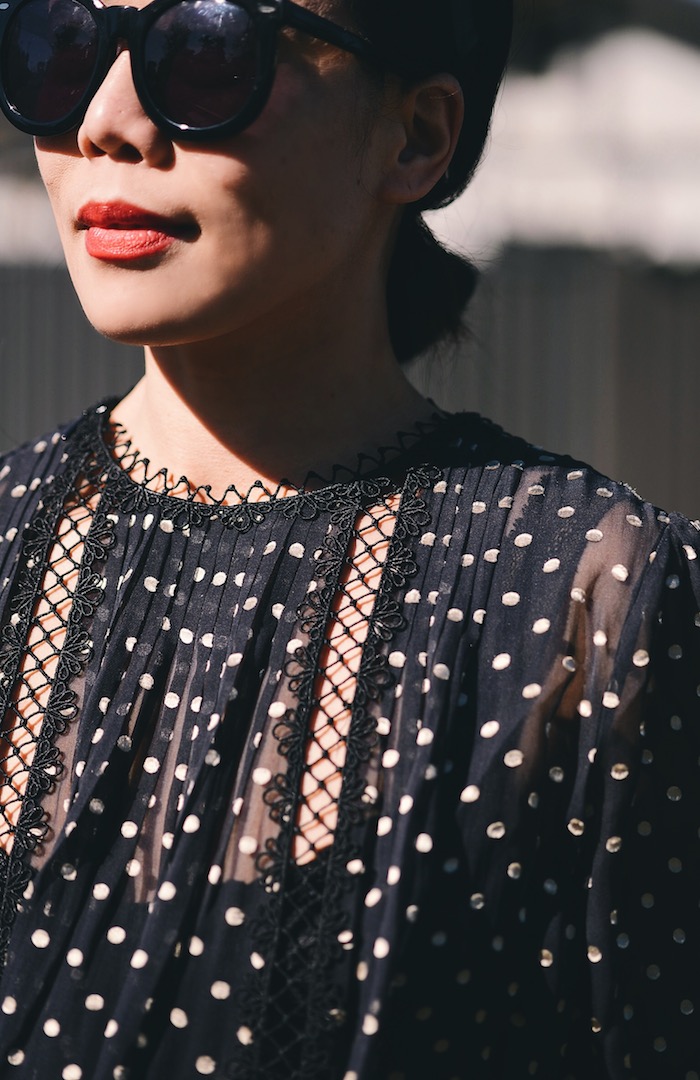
[585,221]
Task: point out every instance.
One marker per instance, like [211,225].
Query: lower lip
[126,245]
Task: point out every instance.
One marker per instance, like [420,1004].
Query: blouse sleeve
[643,921]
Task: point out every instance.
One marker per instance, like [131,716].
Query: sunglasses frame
[131,25]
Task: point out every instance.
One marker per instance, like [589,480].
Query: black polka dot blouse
[395,777]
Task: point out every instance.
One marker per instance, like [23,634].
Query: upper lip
[122,215]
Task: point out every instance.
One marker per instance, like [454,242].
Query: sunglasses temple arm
[308,22]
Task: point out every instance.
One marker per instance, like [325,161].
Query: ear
[430,115]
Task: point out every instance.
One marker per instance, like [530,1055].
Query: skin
[265,325]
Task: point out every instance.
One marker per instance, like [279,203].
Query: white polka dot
[532,691]
[250,603]
[40,939]
[390,758]
[441,671]
[220,990]
[641,658]
[219,578]
[594,954]
[393,875]
[511,599]
[199,574]
[234,916]
[405,804]
[489,729]
[620,572]
[619,772]
[370,1025]
[72,1072]
[397,659]
[129,829]
[171,700]
[566,512]
[381,948]
[496,830]
[491,556]
[74,958]
[261,776]
[16,1057]
[424,843]
[94,1002]
[514,758]
[524,540]
[578,595]
[257,961]
[455,615]
[52,1028]
[373,897]
[551,566]
[541,626]
[470,794]
[111,1028]
[178,1018]
[244,1035]
[247,845]
[167,891]
[139,958]
[467,561]
[186,636]
[277,710]
[146,682]
[116,935]
[610,700]
[478,507]
[594,536]
[501,662]
[151,584]
[384,826]
[297,551]
[191,824]
[100,891]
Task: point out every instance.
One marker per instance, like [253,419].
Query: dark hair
[429,287]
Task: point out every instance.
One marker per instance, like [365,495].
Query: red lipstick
[120,232]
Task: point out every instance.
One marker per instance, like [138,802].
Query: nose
[116,125]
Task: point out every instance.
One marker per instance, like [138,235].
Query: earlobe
[432,113]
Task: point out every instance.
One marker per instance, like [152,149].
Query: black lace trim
[192,506]
[323,1014]
[46,767]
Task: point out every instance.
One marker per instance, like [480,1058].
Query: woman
[370,749]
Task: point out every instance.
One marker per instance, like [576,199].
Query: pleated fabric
[395,776]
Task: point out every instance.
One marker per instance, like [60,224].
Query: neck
[273,402]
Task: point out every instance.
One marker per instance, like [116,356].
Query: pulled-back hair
[429,287]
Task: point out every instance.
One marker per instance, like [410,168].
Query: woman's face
[254,224]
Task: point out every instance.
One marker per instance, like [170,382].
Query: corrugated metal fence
[576,350]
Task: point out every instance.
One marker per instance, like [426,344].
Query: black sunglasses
[202,69]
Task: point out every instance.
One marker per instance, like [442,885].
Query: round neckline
[381,467]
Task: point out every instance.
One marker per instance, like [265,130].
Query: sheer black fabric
[395,777]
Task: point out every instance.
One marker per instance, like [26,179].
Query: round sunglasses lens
[201,62]
[48,59]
